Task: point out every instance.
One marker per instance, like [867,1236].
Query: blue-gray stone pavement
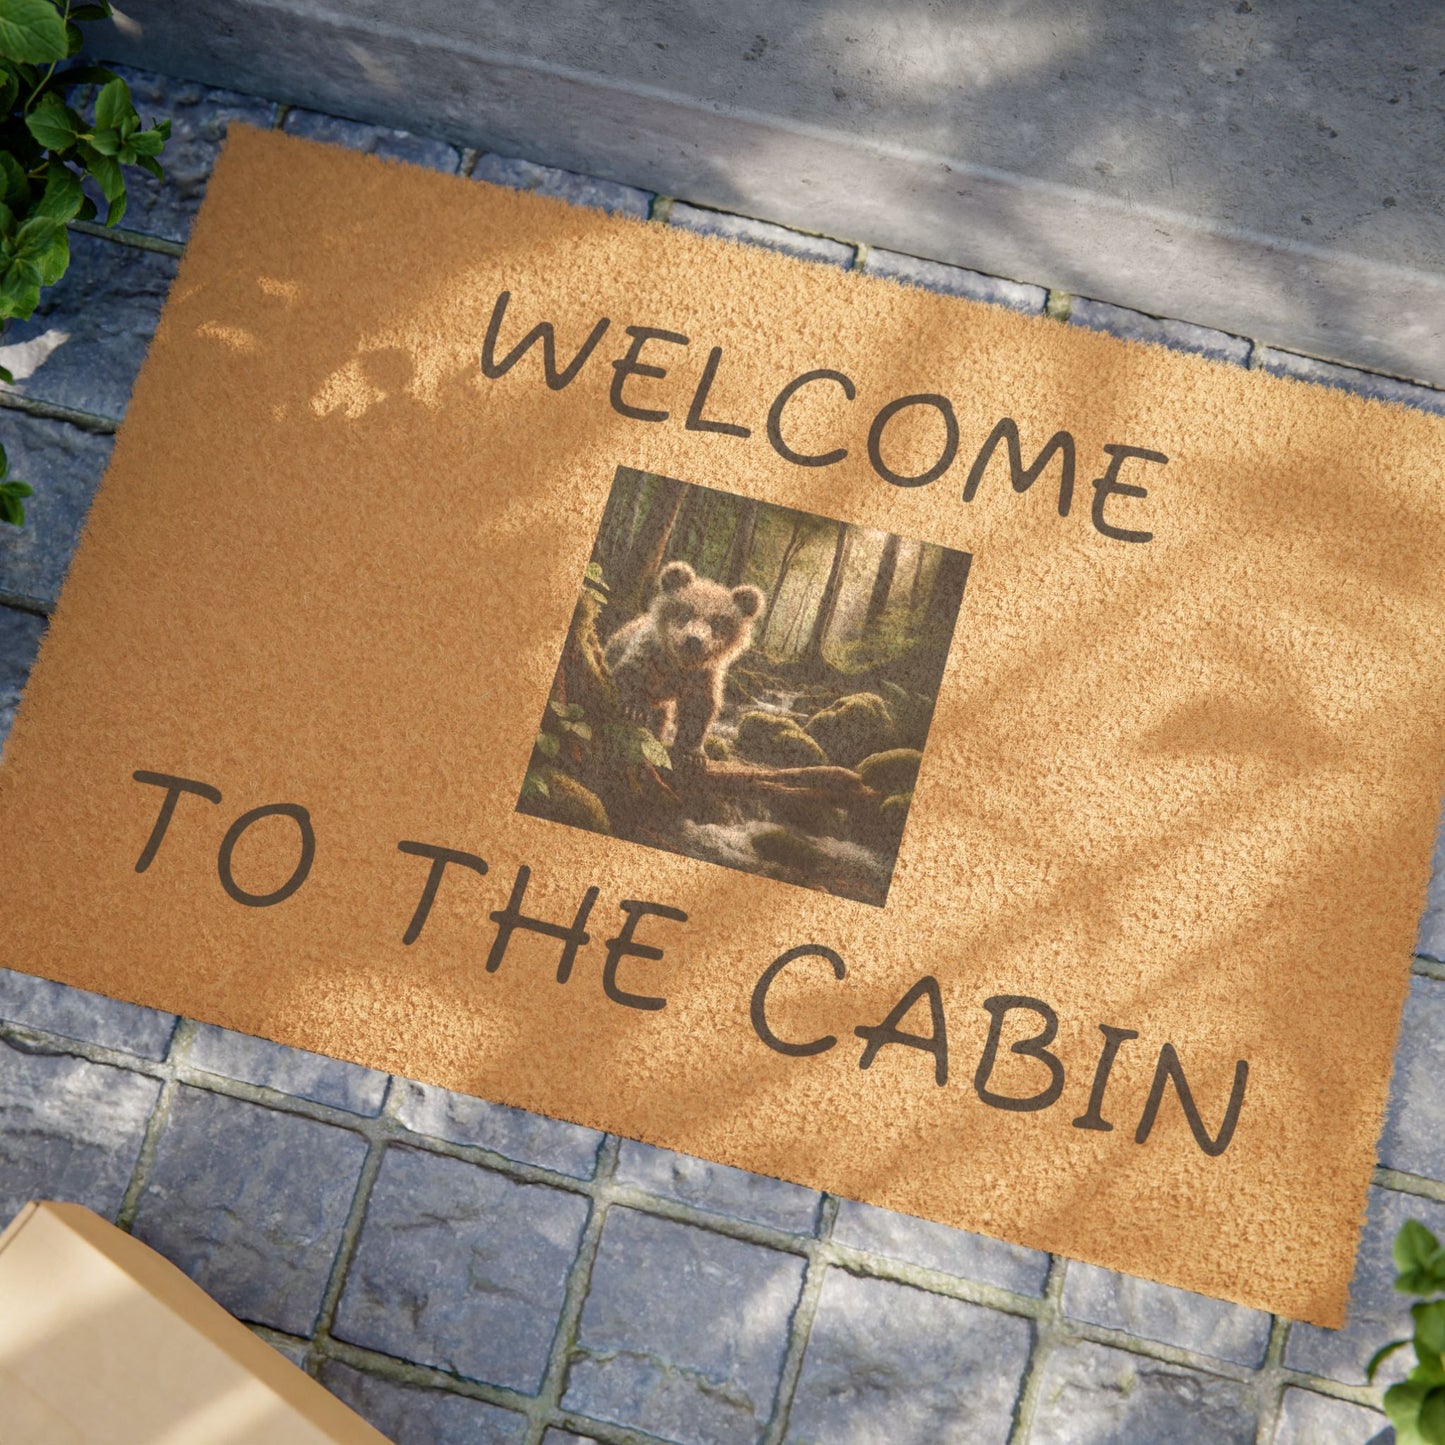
[460,1271]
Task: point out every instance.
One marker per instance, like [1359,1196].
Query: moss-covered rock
[853,728]
[911,713]
[787,848]
[810,815]
[717,748]
[778,741]
[895,771]
[567,801]
[894,810]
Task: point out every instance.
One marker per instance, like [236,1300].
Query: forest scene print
[747,684]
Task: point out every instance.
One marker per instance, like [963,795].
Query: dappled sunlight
[22,359]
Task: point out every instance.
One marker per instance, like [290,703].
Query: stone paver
[761,233]
[250,1203]
[513,1133]
[1378,1313]
[64,464]
[20,634]
[199,117]
[1414,1135]
[718,1187]
[886,1362]
[1171,1316]
[85,343]
[376,140]
[1346,378]
[1093,1395]
[936,1246]
[953,280]
[1306,1418]
[413,1415]
[90,1017]
[684,1331]
[289,1071]
[69,1129]
[1178,335]
[461,1268]
[520,175]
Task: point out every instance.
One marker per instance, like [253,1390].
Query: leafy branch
[1416,1406]
[47,150]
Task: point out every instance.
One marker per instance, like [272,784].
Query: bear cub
[670,663]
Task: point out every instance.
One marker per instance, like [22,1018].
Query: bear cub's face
[701,621]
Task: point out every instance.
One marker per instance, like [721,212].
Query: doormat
[941,756]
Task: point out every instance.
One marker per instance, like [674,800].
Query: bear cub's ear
[676,575]
[748,600]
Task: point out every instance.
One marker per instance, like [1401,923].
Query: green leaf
[547,745]
[4,460]
[31,30]
[7,221]
[53,123]
[1429,1326]
[107,142]
[36,237]
[8,379]
[19,290]
[1402,1404]
[14,186]
[112,105]
[11,510]
[17,489]
[1414,1246]
[578,729]
[151,164]
[1432,1417]
[92,12]
[73,39]
[534,782]
[1380,1356]
[56,259]
[147,142]
[63,196]
[105,171]
[570,710]
[116,211]
[9,89]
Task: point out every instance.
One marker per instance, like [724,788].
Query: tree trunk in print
[915,595]
[790,555]
[742,544]
[644,561]
[799,612]
[882,583]
[813,654]
[947,589]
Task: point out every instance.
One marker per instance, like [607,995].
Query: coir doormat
[940,756]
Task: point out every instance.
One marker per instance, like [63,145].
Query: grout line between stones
[1425,967]
[124,236]
[179,1047]
[48,411]
[548,1402]
[1269,1383]
[1046,1325]
[800,1327]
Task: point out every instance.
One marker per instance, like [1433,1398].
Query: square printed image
[748,685]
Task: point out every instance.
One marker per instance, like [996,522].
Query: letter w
[542,331]
[1007,431]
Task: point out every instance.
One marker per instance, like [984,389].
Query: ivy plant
[1416,1406]
[46,152]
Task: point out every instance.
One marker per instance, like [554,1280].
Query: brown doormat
[936,755]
